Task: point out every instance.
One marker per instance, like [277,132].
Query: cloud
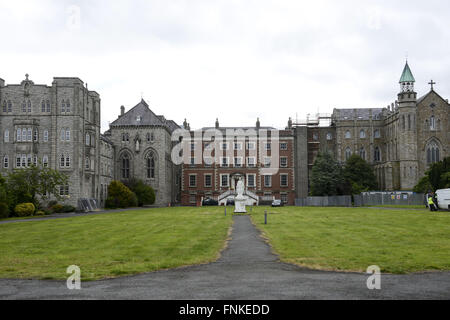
[232,60]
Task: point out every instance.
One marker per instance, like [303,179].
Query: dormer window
[138,118]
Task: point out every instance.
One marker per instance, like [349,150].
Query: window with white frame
[267,162]
[29,134]
[224,146]
[192,180]
[283,146]
[237,146]
[238,162]
[267,181]
[64,190]
[224,180]
[362,134]
[284,180]
[377,134]
[224,162]
[6,135]
[268,146]
[329,136]
[6,162]
[67,135]
[251,180]
[251,162]
[284,198]
[283,162]
[208,180]
[251,145]
[45,136]
[348,135]
[19,135]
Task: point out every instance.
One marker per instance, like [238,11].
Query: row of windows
[225,180]
[238,162]
[7,106]
[150,165]
[27,135]
[362,154]
[25,161]
[149,136]
[363,135]
[239,146]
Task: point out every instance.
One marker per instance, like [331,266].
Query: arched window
[6,137]
[48,106]
[432,123]
[45,161]
[348,153]
[4,106]
[433,153]
[67,106]
[46,136]
[125,166]
[362,153]
[24,106]
[362,134]
[329,136]
[348,135]
[9,106]
[43,108]
[63,106]
[377,155]
[150,165]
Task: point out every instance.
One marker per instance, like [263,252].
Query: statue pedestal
[239,204]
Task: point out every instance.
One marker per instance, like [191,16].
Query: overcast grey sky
[232,60]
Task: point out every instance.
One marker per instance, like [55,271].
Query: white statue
[137,145]
[240,199]
[240,188]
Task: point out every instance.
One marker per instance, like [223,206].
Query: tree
[30,184]
[144,193]
[4,200]
[326,177]
[359,175]
[120,196]
[437,177]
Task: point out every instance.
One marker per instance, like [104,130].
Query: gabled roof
[429,93]
[407,75]
[141,115]
[140,111]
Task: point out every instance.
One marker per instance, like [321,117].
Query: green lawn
[112,244]
[347,239]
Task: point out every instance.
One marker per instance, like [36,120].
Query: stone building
[56,126]
[142,147]
[239,159]
[400,141]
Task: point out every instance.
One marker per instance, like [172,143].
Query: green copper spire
[407,75]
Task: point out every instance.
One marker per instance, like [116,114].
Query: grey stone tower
[407,131]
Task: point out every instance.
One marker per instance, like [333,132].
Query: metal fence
[364,199]
[331,201]
[389,199]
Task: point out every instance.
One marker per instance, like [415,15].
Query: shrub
[47,211]
[119,196]
[52,203]
[69,209]
[4,210]
[25,209]
[144,193]
[57,208]
[40,213]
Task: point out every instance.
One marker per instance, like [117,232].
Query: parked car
[210,202]
[443,199]
[230,202]
[277,203]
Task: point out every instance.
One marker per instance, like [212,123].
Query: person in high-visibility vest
[431,203]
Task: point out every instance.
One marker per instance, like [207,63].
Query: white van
[443,199]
